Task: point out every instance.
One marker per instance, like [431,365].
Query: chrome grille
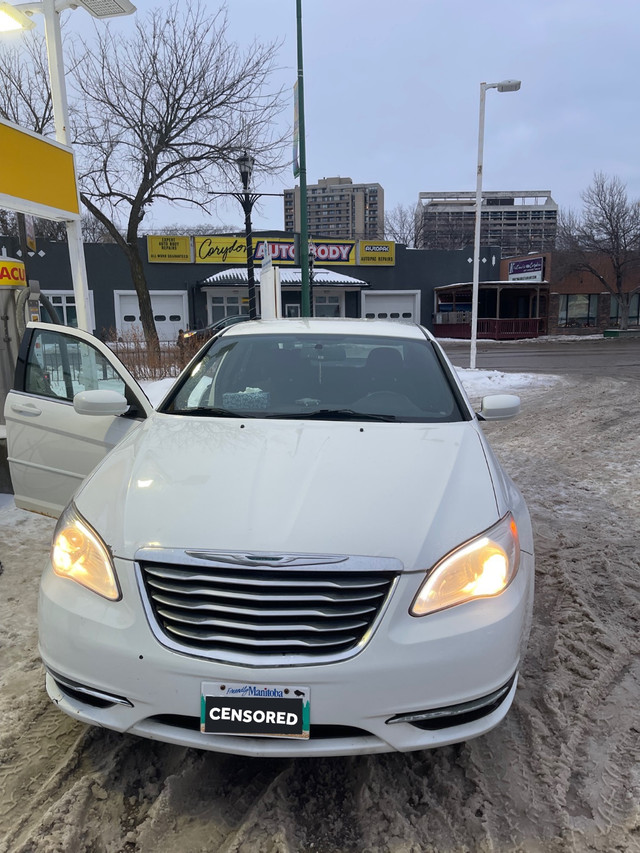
[259,608]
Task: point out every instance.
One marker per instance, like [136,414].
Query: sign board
[233,250]
[169,250]
[267,261]
[530,269]
[30,229]
[220,250]
[376,252]
[12,272]
[37,175]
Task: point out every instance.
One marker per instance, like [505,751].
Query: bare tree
[49,229]
[444,230]
[604,240]
[195,230]
[451,233]
[403,224]
[8,224]
[93,231]
[25,98]
[163,115]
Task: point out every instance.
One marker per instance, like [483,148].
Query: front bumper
[410,665]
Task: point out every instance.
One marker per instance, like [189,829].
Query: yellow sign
[376,252]
[169,250]
[220,250]
[12,272]
[37,175]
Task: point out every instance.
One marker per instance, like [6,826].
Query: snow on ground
[559,775]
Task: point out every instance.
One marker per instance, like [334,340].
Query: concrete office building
[338,208]
[520,222]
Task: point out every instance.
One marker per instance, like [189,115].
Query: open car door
[51,448]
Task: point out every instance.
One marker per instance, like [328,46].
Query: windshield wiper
[333,415]
[209,412]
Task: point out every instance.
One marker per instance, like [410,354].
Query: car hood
[410,491]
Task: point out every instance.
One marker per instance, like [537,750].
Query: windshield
[304,376]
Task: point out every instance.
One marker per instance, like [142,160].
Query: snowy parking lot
[561,773]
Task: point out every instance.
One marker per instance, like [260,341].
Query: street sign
[37,175]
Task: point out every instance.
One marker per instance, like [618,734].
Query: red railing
[497,330]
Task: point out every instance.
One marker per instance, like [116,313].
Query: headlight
[481,568]
[78,553]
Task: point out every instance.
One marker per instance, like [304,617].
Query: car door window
[60,366]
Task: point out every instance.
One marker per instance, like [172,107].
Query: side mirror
[499,407]
[100,402]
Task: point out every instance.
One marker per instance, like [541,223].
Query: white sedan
[308,548]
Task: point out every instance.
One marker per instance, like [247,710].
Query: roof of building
[517,198]
[509,282]
[288,276]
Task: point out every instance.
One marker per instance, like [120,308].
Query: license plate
[254,710]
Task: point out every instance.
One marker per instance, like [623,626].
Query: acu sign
[12,272]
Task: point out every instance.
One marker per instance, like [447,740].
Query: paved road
[616,357]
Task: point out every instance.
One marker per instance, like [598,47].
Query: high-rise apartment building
[518,222]
[338,208]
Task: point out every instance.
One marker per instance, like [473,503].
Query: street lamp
[247,200]
[18,17]
[503,86]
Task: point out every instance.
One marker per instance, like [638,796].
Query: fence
[499,330]
[142,363]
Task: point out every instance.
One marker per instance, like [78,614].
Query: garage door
[392,304]
[169,314]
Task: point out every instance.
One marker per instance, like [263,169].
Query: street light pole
[305,285]
[247,200]
[503,86]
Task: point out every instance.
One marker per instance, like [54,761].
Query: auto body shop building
[196,280]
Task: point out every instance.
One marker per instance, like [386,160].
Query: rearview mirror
[100,402]
[499,407]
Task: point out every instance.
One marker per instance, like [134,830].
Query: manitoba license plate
[254,710]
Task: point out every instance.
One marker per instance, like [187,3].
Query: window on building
[65,307]
[326,306]
[634,310]
[227,306]
[578,310]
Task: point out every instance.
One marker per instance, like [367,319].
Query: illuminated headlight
[78,553]
[481,568]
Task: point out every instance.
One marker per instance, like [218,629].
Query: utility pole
[304,225]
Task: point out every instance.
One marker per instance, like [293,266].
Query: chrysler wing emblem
[241,558]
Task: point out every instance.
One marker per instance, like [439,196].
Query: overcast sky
[392,94]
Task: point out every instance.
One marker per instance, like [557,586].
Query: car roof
[329,326]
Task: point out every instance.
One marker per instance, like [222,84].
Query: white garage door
[392,304]
[169,314]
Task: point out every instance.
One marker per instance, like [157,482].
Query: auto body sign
[233,250]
